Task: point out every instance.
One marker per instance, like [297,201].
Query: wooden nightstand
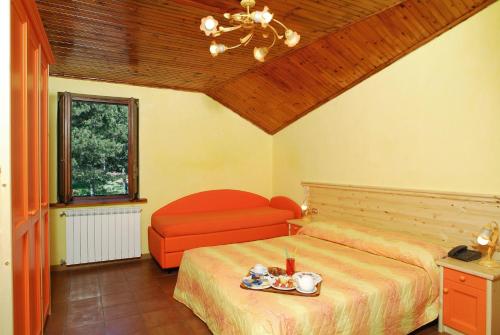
[295,224]
[470,298]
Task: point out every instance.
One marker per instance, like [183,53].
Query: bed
[374,282]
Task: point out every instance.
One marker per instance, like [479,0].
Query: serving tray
[290,292]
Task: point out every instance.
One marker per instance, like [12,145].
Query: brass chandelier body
[248,21]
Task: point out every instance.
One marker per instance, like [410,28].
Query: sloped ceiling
[159,44]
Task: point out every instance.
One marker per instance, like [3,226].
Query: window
[97,148]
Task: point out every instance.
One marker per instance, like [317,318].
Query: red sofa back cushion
[215,200]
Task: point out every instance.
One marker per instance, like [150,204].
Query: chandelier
[248,22]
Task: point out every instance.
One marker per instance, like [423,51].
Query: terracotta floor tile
[153,304]
[116,299]
[84,278]
[97,329]
[84,318]
[143,283]
[167,284]
[126,326]
[119,311]
[197,326]
[111,288]
[55,325]
[147,292]
[83,305]
[170,329]
[83,291]
[59,307]
[59,294]
[158,317]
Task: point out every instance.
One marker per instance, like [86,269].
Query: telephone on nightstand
[462,253]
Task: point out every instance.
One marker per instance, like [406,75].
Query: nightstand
[469,297]
[295,224]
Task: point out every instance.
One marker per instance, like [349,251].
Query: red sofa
[213,218]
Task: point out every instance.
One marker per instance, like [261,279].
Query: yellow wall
[429,121]
[187,143]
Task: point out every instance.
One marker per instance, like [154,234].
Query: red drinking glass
[290,266]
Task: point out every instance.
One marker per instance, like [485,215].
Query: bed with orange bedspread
[373,283]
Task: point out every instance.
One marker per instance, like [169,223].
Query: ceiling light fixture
[248,22]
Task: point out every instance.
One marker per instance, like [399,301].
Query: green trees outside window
[99,148]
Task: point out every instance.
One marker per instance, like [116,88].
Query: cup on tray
[290,266]
[258,270]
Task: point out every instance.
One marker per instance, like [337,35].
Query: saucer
[257,284]
[307,292]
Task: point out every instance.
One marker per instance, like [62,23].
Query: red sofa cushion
[168,225]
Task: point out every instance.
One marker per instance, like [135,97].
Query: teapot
[305,283]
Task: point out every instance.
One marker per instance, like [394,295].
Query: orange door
[464,308]
[25,132]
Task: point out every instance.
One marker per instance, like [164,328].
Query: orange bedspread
[373,283]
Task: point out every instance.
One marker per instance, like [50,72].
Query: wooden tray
[291,292]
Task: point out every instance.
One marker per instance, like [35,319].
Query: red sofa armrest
[282,202]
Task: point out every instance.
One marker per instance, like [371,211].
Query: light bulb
[292,38]
[257,16]
[216,49]
[482,241]
[484,236]
[266,17]
[260,53]
[209,25]
[304,207]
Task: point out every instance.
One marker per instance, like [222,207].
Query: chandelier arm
[275,32]
[234,46]
[274,38]
[226,30]
[249,39]
[280,23]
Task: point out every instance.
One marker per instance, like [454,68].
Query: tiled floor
[130,298]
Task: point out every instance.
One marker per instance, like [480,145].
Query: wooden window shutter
[133,150]
[64,193]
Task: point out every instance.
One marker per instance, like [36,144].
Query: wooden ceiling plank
[384,50]
[397,45]
[158,44]
[428,14]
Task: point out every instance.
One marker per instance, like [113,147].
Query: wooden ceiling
[159,44]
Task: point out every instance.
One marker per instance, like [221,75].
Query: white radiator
[102,234]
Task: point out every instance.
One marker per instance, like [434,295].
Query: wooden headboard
[445,218]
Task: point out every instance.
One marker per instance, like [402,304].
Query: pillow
[396,245]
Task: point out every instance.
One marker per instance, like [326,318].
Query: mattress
[374,282]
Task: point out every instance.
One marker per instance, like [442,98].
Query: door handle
[32,212]
[445,290]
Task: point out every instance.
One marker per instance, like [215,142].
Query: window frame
[64,168]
